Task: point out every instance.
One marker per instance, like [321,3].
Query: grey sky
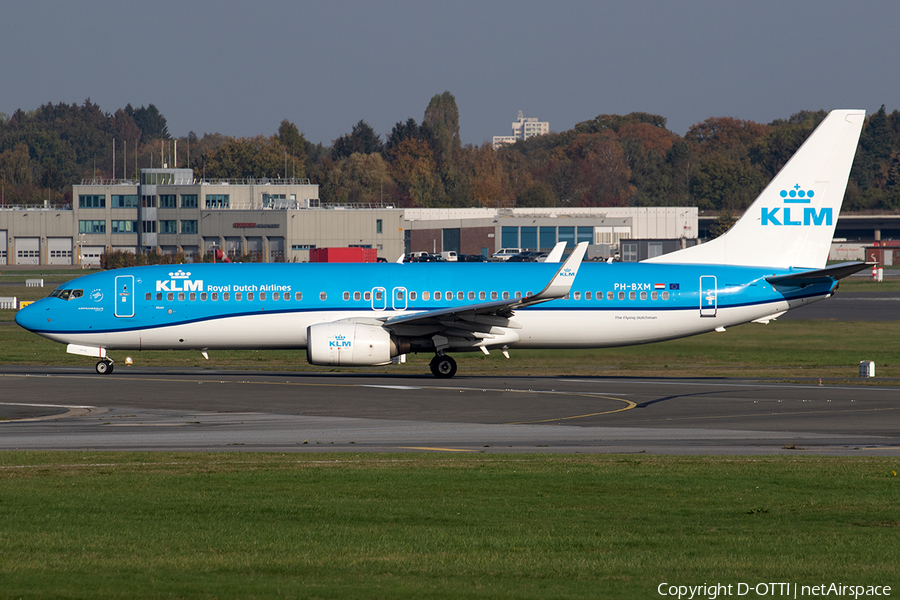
[239,68]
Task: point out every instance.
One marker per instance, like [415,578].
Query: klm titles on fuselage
[180,282]
[781,215]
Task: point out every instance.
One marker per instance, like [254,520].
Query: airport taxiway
[65,408]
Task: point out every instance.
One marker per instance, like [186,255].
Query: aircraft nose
[33,317]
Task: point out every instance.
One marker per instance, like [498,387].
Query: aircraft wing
[830,273]
[480,321]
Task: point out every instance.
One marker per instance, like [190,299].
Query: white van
[450,256]
[505,253]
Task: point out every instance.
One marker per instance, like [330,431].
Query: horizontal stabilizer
[832,273]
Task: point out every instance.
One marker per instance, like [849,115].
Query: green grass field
[87,525]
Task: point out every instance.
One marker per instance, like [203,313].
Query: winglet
[561,283]
[400,260]
[556,254]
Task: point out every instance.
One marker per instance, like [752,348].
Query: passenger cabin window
[482,296]
[346,295]
[587,295]
[193,296]
[356,295]
[214,296]
[459,296]
[237,296]
[249,295]
[412,296]
[298,296]
[147,296]
[226,296]
[367,296]
[665,295]
[181,295]
[506,295]
[609,295]
[426,296]
[159,295]
[262,296]
[437,295]
[170,296]
[276,296]
[323,296]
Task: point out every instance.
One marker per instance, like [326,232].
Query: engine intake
[350,344]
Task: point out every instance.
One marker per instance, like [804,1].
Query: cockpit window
[66,294]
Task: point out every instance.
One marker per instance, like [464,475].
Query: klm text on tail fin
[791,223]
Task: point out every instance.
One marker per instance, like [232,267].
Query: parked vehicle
[450,256]
[529,256]
[505,253]
[473,258]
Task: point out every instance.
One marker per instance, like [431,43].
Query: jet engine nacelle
[349,344]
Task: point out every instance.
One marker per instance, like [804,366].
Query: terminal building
[273,220]
[169,211]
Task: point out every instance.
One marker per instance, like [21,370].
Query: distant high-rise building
[523,128]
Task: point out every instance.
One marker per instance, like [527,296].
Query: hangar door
[28,251]
[60,251]
[4,240]
[90,255]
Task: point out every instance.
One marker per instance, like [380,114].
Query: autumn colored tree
[359,179]
[255,157]
[488,181]
[414,170]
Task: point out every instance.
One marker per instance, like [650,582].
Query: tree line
[720,164]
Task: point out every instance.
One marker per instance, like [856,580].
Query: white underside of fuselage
[546,328]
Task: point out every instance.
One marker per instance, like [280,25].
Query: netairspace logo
[772,590]
[781,215]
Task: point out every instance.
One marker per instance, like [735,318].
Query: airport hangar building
[170,211]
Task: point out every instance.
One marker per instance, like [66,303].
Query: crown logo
[179,274]
[339,337]
[797,195]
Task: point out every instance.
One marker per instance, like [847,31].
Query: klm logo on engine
[339,341]
[179,282]
[793,213]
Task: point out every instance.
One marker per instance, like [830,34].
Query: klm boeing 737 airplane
[772,260]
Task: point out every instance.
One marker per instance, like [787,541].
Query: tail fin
[791,223]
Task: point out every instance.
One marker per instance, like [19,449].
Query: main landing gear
[443,367]
[105,367]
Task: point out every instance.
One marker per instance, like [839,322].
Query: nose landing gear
[443,367]
[104,367]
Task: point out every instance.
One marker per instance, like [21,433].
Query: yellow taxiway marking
[628,406]
[436,449]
